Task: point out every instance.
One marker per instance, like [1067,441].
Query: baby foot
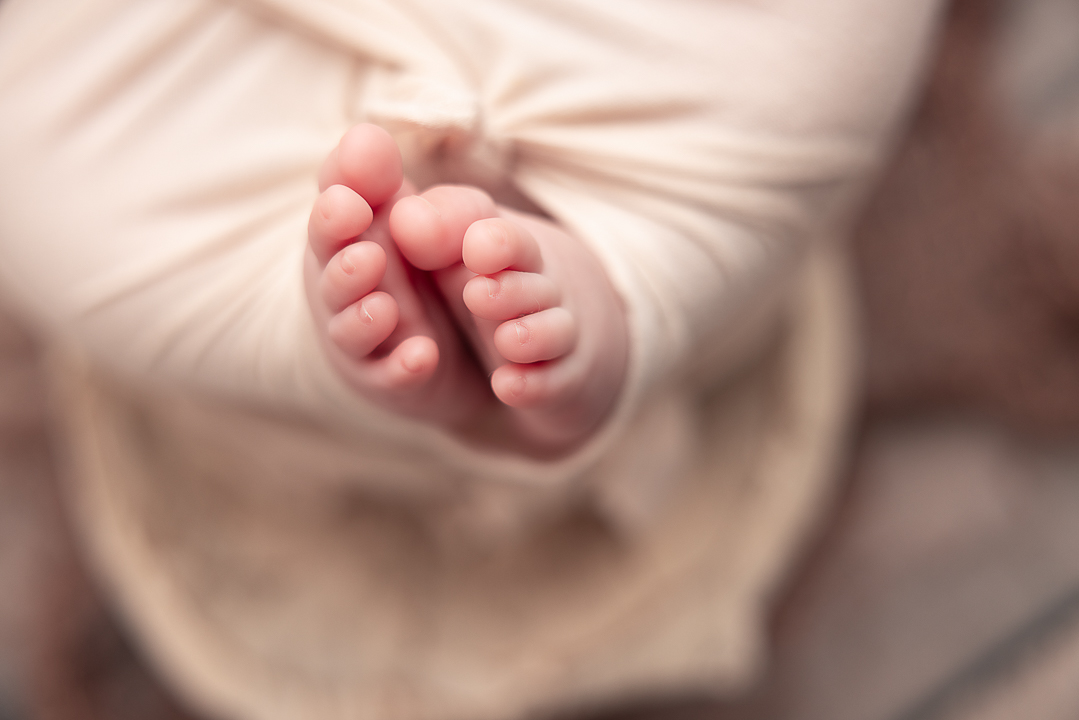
[535,303]
[383,325]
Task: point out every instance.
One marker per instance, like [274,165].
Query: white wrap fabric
[284,549]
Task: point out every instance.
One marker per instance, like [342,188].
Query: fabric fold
[285,549]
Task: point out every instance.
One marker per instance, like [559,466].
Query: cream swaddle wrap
[285,550]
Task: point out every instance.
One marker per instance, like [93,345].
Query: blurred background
[945,584]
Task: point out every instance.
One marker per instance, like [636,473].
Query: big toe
[368,161]
[429,228]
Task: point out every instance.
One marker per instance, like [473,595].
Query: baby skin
[449,308]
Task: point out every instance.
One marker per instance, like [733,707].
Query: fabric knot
[439,128]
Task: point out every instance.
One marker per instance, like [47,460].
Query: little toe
[411,363]
[533,338]
[351,274]
[495,244]
[368,161]
[526,386]
[509,294]
[363,326]
[339,215]
[429,228]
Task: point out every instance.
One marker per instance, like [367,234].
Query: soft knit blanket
[286,550]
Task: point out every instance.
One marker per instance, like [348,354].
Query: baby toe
[533,338]
[339,215]
[429,228]
[526,386]
[509,294]
[495,244]
[352,273]
[363,326]
[411,363]
[366,160]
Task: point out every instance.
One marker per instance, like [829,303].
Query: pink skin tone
[434,305]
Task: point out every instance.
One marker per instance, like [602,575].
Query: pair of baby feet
[446,307]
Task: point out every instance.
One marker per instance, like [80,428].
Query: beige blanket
[284,549]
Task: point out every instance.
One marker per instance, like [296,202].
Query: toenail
[347,266]
[499,233]
[492,288]
[522,332]
[518,387]
[430,205]
[412,364]
[366,316]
